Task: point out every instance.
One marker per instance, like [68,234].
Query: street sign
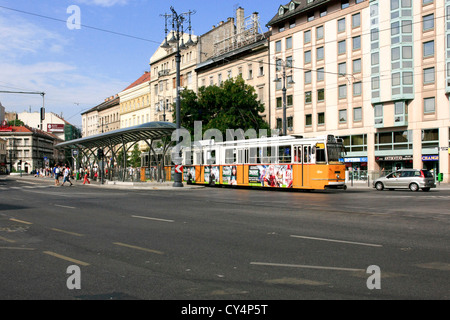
[178,168]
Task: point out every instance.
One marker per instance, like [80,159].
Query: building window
[290,100]
[430,138]
[357,89]
[320,74]
[308,120]
[278,46]
[428,22]
[307,36]
[289,43]
[343,116]
[320,53]
[344,4]
[357,114]
[342,91]
[307,77]
[290,123]
[342,68]
[321,118]
[319,33]
[279,102]
[321,95]
[428,49]
[378,114]
[394,140]
[428,75]
[356,20]
[357,43]
[399,113]
[429,105]
[341,25]
[357,66]
[308,57]
[341,47]
[308,97]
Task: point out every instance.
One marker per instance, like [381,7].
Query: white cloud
[33,59]
[104,3]
[20,37]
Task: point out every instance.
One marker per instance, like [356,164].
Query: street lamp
[283,65]
[177,40]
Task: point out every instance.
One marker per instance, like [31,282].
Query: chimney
[240,19]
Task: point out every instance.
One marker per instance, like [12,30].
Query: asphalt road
[220,244]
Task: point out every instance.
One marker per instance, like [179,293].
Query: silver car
[406,179]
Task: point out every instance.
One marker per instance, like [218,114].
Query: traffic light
[100,153]
[42,114]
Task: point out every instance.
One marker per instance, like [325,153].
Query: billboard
[55,127]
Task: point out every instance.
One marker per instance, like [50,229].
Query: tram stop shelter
[93,150]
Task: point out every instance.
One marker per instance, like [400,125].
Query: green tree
[232,105]
[135,157]
[16,123]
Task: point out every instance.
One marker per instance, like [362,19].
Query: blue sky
[79,68]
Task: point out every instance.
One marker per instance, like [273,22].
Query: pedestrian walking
[66,176]
[86,176]
[57,174]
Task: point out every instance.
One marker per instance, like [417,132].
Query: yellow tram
[276,162]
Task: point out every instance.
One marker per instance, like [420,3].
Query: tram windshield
[336,152]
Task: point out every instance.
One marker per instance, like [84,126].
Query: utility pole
[177,40]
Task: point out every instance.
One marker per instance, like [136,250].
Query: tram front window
[335,152]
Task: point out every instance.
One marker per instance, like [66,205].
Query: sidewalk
[115,184]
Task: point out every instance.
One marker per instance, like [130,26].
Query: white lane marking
[150,218]
[340,241]
[59,205]
[305,266]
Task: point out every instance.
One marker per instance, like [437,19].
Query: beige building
[109,114]
[371,72]
[101,118]
[236,47]
[163,78]
[135,102]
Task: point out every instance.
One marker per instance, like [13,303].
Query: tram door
[302,156]
[306,159]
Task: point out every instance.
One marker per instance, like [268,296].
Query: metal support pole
[284,102]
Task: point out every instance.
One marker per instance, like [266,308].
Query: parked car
[406,179]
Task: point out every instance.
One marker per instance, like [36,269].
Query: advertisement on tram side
[277,176]
[229,175]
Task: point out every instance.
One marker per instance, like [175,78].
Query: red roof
[144,78]
[20,129]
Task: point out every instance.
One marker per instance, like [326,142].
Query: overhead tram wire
[81,25]
[157,42]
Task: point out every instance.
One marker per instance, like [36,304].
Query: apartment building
[237,47]
[28,148]
[163,85]
[101,118]
[376,73]
[135,102]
